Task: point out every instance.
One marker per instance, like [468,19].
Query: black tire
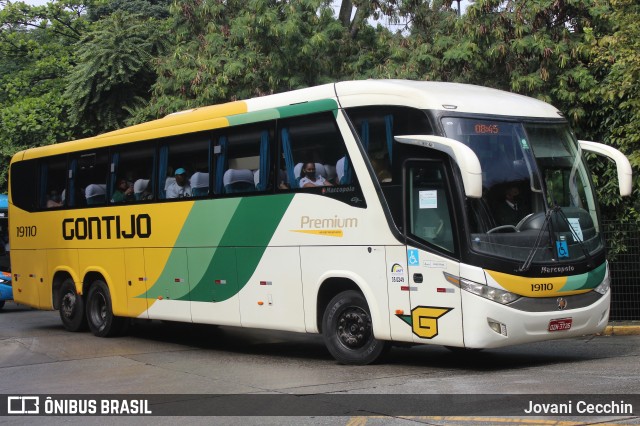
[348,331]
[2,304]
[100,316]
[71,306]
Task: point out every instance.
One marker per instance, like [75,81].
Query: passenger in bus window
[180,188]
[123,192]
[310,179]
[141,190]
[54,200]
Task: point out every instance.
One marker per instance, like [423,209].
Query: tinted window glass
[24,185]
[88,185]
[243,160]
[132,173]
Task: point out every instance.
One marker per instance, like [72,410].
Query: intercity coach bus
[373,212]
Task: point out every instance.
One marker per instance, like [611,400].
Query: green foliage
[617,64]
[114,71]
[238,49]
[79,67]
[35,59]
[157,9]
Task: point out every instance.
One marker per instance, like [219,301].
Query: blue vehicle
[6,291]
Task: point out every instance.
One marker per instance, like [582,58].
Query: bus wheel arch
[99,309]
[346,323]
[70,303]
[327,291]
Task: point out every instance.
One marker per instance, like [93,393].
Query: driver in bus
[512,209]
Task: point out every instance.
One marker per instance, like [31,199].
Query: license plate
[560,324]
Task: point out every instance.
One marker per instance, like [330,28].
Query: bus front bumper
[488,324]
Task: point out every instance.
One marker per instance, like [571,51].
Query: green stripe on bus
[253,117]
[229,237]
[283,112]
[241,248]
[586,281]
[307,108]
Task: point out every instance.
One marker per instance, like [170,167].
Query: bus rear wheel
[348,330]
[71,307]
[100,316]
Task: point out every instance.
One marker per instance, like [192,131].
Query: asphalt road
[38,357]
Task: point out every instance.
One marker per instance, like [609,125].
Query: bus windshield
[538,203]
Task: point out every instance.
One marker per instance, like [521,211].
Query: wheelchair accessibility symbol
[413,257]
[563,249]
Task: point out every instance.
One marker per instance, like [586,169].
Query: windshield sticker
[563,249]
[428,199]
[575,227]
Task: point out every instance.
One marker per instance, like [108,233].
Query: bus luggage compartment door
[30,283]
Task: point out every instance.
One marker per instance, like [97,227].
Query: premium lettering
[334,222]
[107,227]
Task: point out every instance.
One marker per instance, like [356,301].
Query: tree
[36,44]
[238,49]
[114,71]
[156,9]
[617,65]
[537,49]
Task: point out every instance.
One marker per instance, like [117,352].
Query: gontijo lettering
[107,227]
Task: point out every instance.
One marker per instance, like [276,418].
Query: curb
[622,329]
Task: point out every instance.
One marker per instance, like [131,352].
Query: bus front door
[436,314]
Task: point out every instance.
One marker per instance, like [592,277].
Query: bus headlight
[491,293]
[605,284]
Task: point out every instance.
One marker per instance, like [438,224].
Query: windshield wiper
[547,224]
[532,253]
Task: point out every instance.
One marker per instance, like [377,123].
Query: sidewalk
[622,328]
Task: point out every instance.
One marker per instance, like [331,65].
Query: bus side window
[90,171]
[24,183]
[313,153]
[53,181]
[134,165]
[242,159]
[180,158]
[377,125]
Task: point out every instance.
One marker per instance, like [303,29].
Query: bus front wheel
[71,307]
[100,316]
[348,330]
